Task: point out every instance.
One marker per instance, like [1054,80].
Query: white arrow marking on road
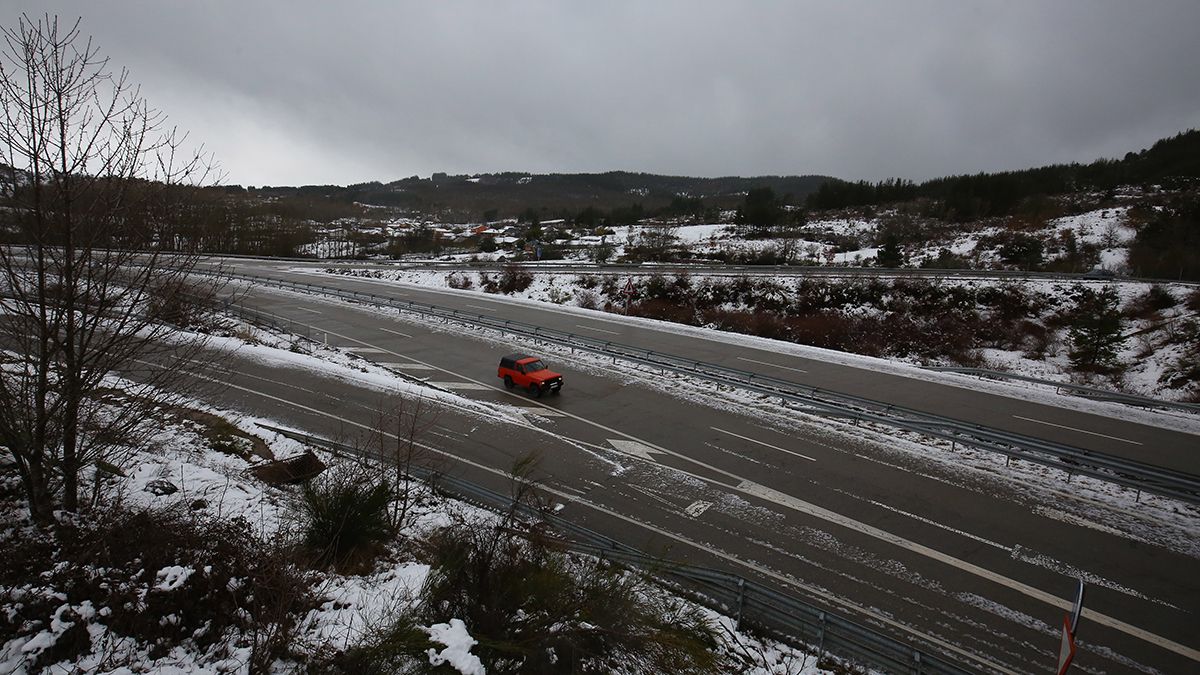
[634,448]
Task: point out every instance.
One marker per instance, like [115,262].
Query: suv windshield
[534,367]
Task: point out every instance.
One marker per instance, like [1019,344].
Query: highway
[959,557]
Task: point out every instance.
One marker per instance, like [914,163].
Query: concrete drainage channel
[1136,475]
[751,604]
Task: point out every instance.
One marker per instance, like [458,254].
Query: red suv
[528,372]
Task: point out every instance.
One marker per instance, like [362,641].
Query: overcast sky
[301,92]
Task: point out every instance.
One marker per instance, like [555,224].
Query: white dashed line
[1082,431]
[773,365]
[768,445]
[598,330]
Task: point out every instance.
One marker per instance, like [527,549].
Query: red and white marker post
[1066,648]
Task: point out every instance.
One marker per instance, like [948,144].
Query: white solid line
[305,309]
[395,332]
[486,309]
[1082,431]
[773,447]
[774,365]
[599,330]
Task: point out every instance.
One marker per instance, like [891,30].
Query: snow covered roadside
[546,289]
[183,467]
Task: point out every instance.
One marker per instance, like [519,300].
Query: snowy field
[844,241]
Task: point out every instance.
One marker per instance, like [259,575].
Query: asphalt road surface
[972,558]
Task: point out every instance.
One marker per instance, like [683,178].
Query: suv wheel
[508,383]
[534,390]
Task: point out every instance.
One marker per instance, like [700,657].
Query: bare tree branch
[96,183]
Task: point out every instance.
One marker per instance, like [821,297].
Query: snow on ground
[695,234]
[180,465]
[1107,229]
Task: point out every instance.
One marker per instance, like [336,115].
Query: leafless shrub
[586,299]
[514,279]
[460,280]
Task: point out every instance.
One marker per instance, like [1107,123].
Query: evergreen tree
[890,254]
[1095,330]
[760,211]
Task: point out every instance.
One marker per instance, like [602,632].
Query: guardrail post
[741,600]
[821,633]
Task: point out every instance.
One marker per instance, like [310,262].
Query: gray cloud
[307,92]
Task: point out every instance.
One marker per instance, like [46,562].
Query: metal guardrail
[1073,460]
[709,268]
[1081,390]
[258,317]
[750,603]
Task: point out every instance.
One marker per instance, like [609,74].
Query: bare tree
[89,267]
[402,421]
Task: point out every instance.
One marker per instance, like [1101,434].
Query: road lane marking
[773,365]
[465,386]
[1082,431]
[635,449]
[395,332]
[768,494]
[773,447]
[305,309]
[407,366]
[697,507]
[363,350]
[486,309]
[598,330]
[542,412]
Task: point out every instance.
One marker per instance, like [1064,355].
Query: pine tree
[890,255]
[1095,330]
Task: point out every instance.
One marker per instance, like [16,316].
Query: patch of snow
[458,647]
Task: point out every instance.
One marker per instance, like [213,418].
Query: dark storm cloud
[306,92]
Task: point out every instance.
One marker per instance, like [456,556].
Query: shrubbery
[345,514]
[194,582]
[533,609]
